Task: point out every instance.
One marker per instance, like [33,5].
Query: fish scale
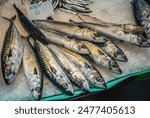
[89,70]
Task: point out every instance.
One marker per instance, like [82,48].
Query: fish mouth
[36,92]
[82,49]
[10,79]
[85,86]
[143,42]
[69,89]
[113,66]
[120,56]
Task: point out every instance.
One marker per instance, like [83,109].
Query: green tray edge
[140,76]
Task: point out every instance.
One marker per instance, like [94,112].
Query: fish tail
[12,19]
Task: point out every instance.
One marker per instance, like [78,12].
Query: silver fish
[114,51]
[70,30]
[11,54]
[32,71]
[111,31]
[141,11]
[52,68]
[89,70]
[100,57]
[75,74]
[65,41]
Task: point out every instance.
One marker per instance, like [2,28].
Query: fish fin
[11,19]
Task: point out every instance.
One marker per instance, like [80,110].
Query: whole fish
[110,31]
[100,57]
[65,41]
[141,11]
[89,70]
[124,27]
[29,27]
[114,51]
[75,75]
[32,71]
[70,30]
[11,54]
[52,68]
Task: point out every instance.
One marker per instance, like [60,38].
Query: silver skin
[90,72]
[11,54]
[75,5]
[65,41]
[70,30]
[114,51]
[111,31]
[32,71]
[52,68]
[141,11]
[76,76]
[101,58]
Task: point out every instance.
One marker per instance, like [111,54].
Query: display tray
[118,11]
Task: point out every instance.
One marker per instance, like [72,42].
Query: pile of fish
[68,5]
[66,52]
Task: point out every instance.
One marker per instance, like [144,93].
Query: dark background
[128,90]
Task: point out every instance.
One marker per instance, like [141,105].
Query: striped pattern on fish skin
[70,30]
[114,32]
[141,11]
[124,27]
[11,54]
[114,51]
[76,76]
[90,72]
[29,27]
[65,41]
[33,73]
[100,57]
[52,68]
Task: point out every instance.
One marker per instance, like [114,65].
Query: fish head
[36,88]
[120,56]
[82,49]
[81,81]
[67,86]
[143,42]
[97,79]
[113,66]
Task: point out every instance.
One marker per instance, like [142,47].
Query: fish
[88,69]
[74,73]
[113,32]
[29,27]
[65,41]
[52,68]
[124,27]
[141,11]
[11,54]
[69,29]
[33,72]
[101,58]
[113,51]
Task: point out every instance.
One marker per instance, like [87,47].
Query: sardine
[75,74]
[101,58]
[11,54]
[29,27]
[52,68]
[141,11]
[124,27]
[70,30]
[110,31]
[114,51]
[65,41]
[33,73]
[89,70]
